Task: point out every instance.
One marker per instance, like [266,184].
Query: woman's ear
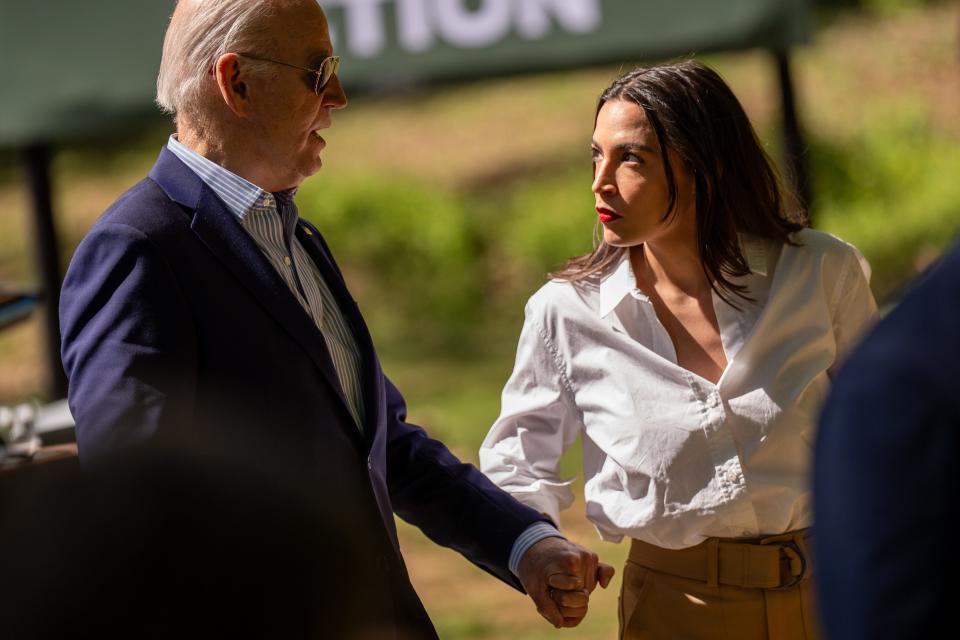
[231,79]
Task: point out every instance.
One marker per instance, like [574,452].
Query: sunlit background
[447,205]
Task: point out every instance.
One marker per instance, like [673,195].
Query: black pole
[794,147]
[37,159]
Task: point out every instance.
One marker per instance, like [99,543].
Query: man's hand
[560,575]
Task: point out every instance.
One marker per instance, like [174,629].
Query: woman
[691,350]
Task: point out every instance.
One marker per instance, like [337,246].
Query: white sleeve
[538,422]
[854,309]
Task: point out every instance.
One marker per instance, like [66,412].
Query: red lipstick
[606,215]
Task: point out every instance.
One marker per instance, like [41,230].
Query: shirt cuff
[530,536]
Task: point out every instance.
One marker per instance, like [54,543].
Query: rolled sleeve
[537,423]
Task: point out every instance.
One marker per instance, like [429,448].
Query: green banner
[397,42]
[76,69]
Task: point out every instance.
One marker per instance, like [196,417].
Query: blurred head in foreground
[166,544]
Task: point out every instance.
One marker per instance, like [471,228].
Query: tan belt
[773,562]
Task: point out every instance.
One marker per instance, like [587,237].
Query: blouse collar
[620,282]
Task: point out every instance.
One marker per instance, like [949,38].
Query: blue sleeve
[885,482]
[453,503]
[129,348]
[530,536]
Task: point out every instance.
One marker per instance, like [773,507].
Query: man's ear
[232,81]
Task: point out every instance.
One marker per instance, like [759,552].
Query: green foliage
[408,248]
[436,265]
[892,5]
[892,189]
[551,219]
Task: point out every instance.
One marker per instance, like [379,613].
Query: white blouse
[669,457]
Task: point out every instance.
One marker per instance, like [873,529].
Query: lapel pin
[307,231]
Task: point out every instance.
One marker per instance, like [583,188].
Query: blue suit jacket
[885,475]
[176,328]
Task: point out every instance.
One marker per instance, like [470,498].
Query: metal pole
[794,147]
[37,159]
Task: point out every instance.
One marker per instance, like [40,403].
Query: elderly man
[200,311]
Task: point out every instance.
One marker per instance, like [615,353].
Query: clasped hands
[559,577]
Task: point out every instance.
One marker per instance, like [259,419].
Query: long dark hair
[738,189]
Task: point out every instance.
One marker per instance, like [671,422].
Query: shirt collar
[618,284]
[621,282]
[238,194]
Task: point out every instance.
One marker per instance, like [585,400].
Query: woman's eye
[632,157]
[595,154]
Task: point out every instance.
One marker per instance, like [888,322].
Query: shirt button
[286,260]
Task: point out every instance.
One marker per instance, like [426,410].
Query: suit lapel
[313,242]
[222,234]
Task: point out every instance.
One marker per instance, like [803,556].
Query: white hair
[196,39]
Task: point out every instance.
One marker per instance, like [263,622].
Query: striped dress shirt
[271,219]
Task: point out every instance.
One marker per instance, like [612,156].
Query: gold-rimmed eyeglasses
[328,67]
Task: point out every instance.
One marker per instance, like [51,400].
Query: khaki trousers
[757,589]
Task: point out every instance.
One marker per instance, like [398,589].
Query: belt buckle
[794,580]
